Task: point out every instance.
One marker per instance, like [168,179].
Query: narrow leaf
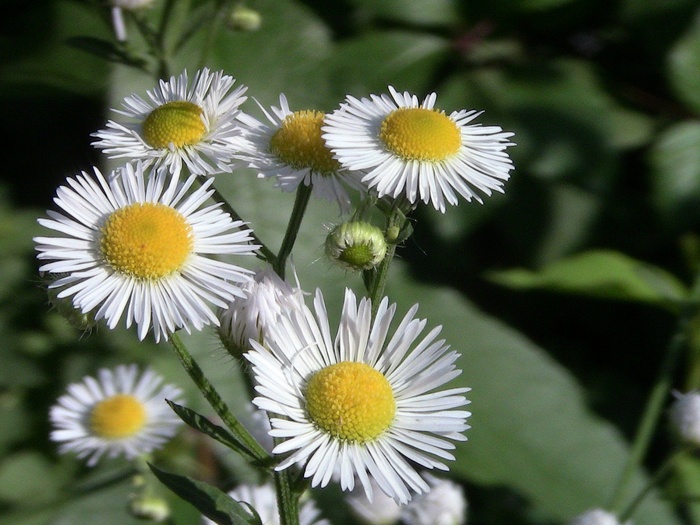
[209,500]
[220,434]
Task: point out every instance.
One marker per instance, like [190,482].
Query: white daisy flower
[143,247]
[596,517]
[290,150]
[121,412]
[445,504]
[266,296]
[263,499]
[363,406]
[404,146]
[195,126]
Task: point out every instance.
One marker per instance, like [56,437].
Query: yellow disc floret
[146,240]
[420,134]
[298,143]
[178,123]
[351,401]
[116,417]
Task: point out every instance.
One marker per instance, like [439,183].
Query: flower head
[141,247]
[291,150]
[363,405]
[119,412]
[179,124]
[445,504]
[403,146]
[685,417]
[265,297]
[596,517]
[264,500]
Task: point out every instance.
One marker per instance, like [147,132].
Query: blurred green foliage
[560,294]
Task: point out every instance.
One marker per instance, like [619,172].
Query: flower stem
[264,252]
[290,236]
[287,500]
[377,285]
[253,448]
[657,398]
[658,476]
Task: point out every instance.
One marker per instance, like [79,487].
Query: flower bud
[685,417]
[356,245]
[149,508]
[246,318]
[244,18]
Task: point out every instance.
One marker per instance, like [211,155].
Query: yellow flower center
[116,417]
[146,240]
[178,123]
[420,134]
[298,143]
[351,401]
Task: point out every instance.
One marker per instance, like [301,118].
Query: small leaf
[675,160]
[605,274]
[199,422]
[684,62]
[209,500]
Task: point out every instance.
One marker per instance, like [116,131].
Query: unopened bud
[149,508]
[685,417]
[244,19]
[356,245]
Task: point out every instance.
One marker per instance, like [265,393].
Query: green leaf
[606,274]
[675,160]
[209,500]
[435,12]
[684,64]
[531,427]
[199,422]
[371,62]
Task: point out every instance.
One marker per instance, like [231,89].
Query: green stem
[657,399]
[658,476]
[378,283]
[290,236]
[222,10]
[264,252]
[287,499]
[212,396]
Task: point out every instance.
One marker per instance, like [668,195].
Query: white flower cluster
[367,406]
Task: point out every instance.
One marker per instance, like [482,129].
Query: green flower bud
[149,508]
[244,18]
[356,245]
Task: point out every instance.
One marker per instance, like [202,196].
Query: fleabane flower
[363,406]
[381,510]
[290,149]
[266,296]
[597,517]
[263,499]
[121,412]
[405,146]
[143,248]
[180,124]
[445,504]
